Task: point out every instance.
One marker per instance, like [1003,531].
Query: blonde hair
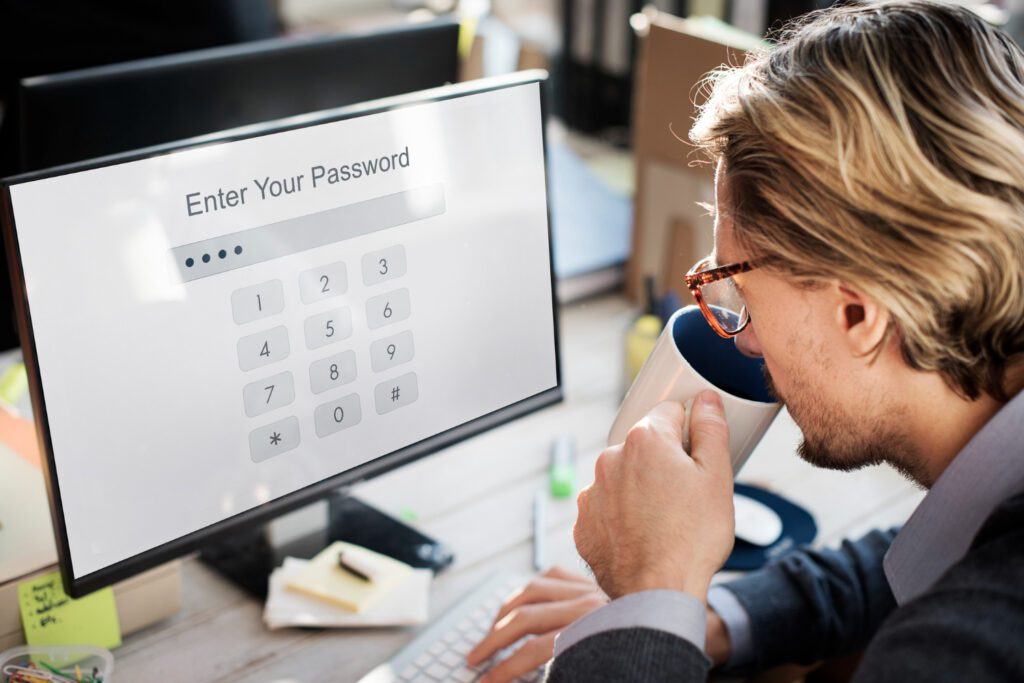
[883,145]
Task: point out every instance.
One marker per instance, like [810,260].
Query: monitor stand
[248,556]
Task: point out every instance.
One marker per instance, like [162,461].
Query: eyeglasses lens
[726,304]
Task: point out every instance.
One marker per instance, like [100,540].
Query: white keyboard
[439,652]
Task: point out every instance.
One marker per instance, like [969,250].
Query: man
[870,179]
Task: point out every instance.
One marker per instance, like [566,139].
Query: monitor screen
[221,332]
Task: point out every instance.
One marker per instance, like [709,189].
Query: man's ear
[861,320]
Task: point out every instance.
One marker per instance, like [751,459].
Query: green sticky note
[50,617]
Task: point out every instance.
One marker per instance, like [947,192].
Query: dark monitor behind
[96,112]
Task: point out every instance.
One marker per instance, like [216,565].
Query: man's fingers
[532,619]
[532,654]
[667,418]
[709,433]
[564,574]
[544,589]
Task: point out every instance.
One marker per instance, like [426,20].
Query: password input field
[274,240]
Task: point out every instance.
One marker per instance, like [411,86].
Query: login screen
[221,326]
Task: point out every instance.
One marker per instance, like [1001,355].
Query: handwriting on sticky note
[50,617]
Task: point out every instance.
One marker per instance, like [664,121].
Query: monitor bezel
[79,586]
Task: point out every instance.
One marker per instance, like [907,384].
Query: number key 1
[257,301]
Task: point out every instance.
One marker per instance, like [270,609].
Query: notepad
[323,579]
[406,605]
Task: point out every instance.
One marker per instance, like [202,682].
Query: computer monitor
[219,332]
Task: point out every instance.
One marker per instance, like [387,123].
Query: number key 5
[328,327]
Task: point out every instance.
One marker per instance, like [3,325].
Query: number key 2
[322,283]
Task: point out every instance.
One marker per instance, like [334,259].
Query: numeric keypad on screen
[328,320]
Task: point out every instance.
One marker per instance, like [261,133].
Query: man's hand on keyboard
[542,609]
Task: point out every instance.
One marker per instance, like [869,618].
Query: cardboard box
[673,57]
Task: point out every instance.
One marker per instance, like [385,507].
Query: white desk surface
[477,497]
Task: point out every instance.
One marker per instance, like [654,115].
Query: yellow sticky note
[322,578]
[50,617]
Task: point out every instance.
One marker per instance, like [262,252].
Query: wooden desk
[477,497]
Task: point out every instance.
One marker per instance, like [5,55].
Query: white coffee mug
[688,358]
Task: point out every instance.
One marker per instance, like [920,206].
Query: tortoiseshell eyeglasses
[718,297]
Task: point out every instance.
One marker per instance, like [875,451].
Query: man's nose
[747,342]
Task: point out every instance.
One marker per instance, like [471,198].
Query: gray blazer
[814,605]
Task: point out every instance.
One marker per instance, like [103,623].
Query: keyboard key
[268,394]
[263,348]
[463,647]
[387,309]
[332,372]
[396,393]
[257,301]
[409,673]
[450,659]
[336,415]
[423,660]
[391,351]
[437,672]
[451,637]
[463,675]
[274,439]
[322,283]
[328,327]
[386,264]
[437,649]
